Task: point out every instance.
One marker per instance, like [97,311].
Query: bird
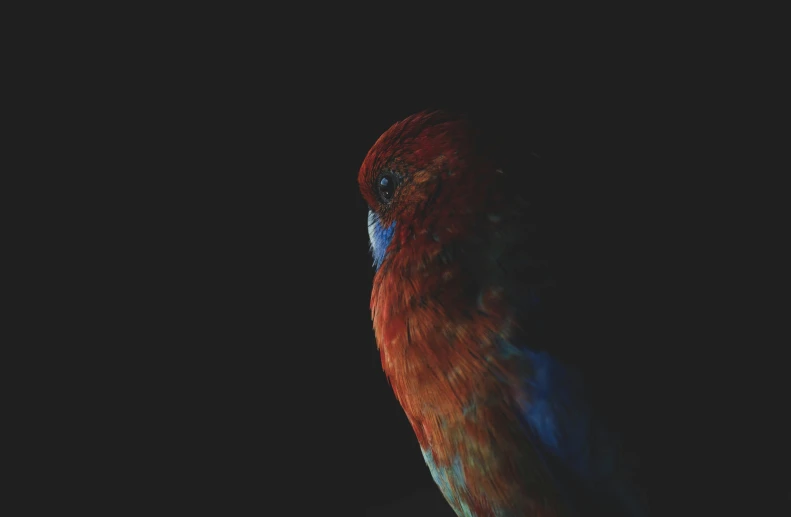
[462,305]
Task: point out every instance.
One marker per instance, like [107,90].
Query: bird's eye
[386,185]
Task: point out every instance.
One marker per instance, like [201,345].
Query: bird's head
[426,156]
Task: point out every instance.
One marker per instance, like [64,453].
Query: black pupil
[386,186]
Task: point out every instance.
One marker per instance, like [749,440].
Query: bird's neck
[438,334]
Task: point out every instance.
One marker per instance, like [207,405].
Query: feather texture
[459,305]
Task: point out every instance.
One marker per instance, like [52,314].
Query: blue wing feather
[579,454]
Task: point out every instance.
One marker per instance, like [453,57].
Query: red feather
[437,328]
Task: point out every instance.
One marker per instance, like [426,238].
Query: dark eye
[386,185]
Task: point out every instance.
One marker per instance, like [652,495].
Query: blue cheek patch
[379,237]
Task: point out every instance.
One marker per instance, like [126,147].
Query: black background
[238,373]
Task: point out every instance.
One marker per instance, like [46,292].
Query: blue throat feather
[379,237]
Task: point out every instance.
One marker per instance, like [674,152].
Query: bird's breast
[444,343]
